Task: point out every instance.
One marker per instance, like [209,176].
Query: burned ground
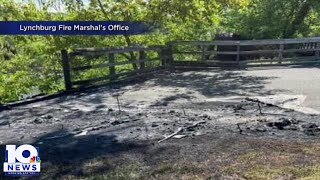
[217,120]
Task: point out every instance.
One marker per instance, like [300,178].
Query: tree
[263,19]
[29,61]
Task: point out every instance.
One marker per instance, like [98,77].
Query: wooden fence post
[318,51]
[281,53]
[142,57]
[163,56]
[66,69]
[169,52]
[112,69]
[238,54]
[203,55]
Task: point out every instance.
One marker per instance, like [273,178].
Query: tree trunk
[299,19]
[132,56]
[127,38]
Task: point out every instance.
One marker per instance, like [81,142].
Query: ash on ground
[43,124]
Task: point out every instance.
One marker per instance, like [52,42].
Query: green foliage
[262,19]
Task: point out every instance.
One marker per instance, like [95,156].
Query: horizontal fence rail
[84,67]
[245,53]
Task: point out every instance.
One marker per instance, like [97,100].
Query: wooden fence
[115,62]
[245,53]
[85,67]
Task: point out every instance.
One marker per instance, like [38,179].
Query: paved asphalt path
[293,81]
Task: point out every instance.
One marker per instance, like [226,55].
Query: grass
[266,172]
[252,160]
[264,165]
[122,173]
[136,171]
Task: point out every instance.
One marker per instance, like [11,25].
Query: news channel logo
[23,160]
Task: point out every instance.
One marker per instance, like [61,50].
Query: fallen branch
[94,128]
[195,124]
[253,100]
[83,133]
[58,137]
[180,130]
[171,135]
[98,127]
[261,102]
[269,104]
[79,133]
[288,100]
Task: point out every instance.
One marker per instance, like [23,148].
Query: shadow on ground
[214,84]
[218,156]
[207,83]
[71,155]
